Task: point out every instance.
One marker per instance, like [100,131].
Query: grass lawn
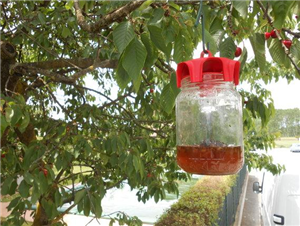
[285,142]
[25,224]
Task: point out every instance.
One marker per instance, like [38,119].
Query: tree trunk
[11,85]
[40,218]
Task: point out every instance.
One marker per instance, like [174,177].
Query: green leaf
[241,7]
[175,6]
[24,189]
[216,31]
[9,113]
[295,49]
[136,163]
[35,193]
[183,47]
[49,207]
[79,195]
[280,11]
[5,187]
[227,48]
[212,44]
[28,178]
[2,102]
[66,32]
[278,54]
[151,51]
[173,84]
[42,18]
[87,206]
[13,203]
[25,121]
[123,35]
[58,198]
[122,76]
[145,5]
[156,196]
[157,16]
[96,206]
[42,182]
[243,59]
[134,60]
[167,99]
[17,115]
[69,5]
[4,124]
[136,83]
[258,45]
[157,38]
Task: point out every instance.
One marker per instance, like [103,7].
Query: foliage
[201,204]
[90,84]
[25,224]
[287,122]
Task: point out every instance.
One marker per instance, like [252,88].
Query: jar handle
[209,54]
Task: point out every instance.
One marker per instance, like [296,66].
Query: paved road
[251,211]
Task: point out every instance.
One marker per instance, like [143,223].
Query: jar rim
[208,78]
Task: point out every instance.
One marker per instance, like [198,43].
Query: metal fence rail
[231,202]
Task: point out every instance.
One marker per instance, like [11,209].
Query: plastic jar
[209,126]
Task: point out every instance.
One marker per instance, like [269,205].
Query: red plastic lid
[197,67]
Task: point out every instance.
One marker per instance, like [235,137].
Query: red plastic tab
[197,67]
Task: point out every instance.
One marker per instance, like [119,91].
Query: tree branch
[8,51]
[42,68]
[106,20]
[295,34]
[65,63]
[270,21]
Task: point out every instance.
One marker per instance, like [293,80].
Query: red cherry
[151,90]
[149,175]
[267,35]
[45,172]
[238,52]
[296,17]
[273,34]
[287,43]
[2,156]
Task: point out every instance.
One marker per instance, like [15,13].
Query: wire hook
[200,15]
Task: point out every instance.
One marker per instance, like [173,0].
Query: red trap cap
[197,67]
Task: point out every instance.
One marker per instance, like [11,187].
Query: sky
[285,96]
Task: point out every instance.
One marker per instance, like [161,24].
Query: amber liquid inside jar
[210,160]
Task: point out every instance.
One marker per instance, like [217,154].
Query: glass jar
[209,126]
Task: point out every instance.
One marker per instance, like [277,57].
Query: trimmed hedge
[200,205]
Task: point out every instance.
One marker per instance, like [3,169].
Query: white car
[295,147]
[280,194]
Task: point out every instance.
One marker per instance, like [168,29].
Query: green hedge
[200,205]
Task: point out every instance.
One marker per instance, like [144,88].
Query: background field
[286,142]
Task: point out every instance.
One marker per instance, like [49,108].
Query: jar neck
[212,80]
